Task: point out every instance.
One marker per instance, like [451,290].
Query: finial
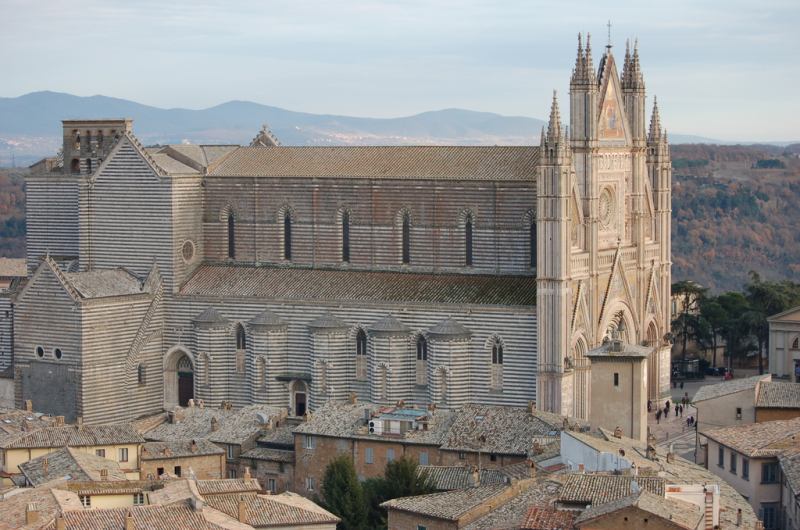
[655,122]
[554,127]
[609,36]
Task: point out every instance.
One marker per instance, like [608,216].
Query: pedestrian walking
[677,407]
[658,417]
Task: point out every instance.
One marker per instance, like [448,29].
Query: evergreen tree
[343,494]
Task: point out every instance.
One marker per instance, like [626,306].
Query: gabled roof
[70,464]
[792,314]
[75,436]
[682,514]
[179,449]
[545,518]
[265,511]
[152,517]
[778,395]
[295,284]
[460,477]
[759,440]
[227,486]
[790,468]
[448,505]
[394,162]
[728,387]
[233,426]
[106,282]
[600,488]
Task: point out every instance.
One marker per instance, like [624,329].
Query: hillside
[735,210]
[729,215]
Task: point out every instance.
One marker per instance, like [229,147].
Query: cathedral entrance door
[300,404]
[185,388]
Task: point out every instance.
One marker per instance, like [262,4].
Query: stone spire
[554,126]
[632,77]
[579,73]
[589,62]
[655,124]
[265,138]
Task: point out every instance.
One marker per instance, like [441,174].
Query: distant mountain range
[30,125]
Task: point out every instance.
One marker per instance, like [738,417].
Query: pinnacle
[554,127]
[655,123]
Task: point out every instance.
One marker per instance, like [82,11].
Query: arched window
[497,365]
[532,248]
[241,346]
[77,141]
[422,361]
[287,236]
[468,240]
[140,374]
[361,355]
[346,237]
[406,238]
[231,236]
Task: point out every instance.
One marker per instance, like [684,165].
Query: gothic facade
[291,276]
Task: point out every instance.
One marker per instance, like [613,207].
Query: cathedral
[290,276]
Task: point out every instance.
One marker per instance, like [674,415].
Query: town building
[777,400]
[292,276]
[119,443]
[784,344]
[12,275]
[201,459]
[478,436]
[70,464]
[746,457]
[790,492]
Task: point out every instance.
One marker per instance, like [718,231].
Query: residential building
[120,443]
[279,275]
[790,489]
[201,459]
[784,344]
[777,400]
[69,463]
[746,457]
[642,510]
[481,436]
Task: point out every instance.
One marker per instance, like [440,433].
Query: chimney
[191,403]
[171,417]
[196,503]
[104,474]
[79,421]
[618,432]
[202,404]
[739,517]
[59,422]
[475,476]
[242,510]
[581,468]
[214,424]
[531,407]
[247,474]
[129,524]
[670,454]
[28,405]
[193,447]
[61,524]
[537,448]
[45,466]
[31,513]
[352,398]
[532,469]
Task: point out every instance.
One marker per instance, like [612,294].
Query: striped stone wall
[51,216]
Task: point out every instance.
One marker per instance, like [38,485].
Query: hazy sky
[725,69]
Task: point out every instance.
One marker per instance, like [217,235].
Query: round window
[39,351]
[57,353]
[187,251]
[608,208]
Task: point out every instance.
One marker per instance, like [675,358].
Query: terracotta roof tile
[152,517]
[769,438]
[448,505]
[228,486]
[280,283]
[683,514]
[70,464]
[75,436]
[728,387]
[599,488]
[273,510]
[779,395]
[399,162]
[179,449]
[544,518]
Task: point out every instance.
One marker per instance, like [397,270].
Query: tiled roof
[13,507]
[210,316]
[510,514]
[279,436]
[273,510]
[268,319]
[728,387]
[755,440]
[70,464]
[392,162]
[269,455]
[283,283]
[228,486]
[683,514]
[544,518]
[449,328]
[234,426]
[681,471]
[790,468]
[327,321]
[13,422]
[75,436]
[596,488]
[779,395]
[500,430]
[117,487]
[152,517]
[103,283]
[179,449]
[388,324]
[460,477]
[449,505]
[13,267]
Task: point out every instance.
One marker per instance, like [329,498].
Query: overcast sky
[725,69]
